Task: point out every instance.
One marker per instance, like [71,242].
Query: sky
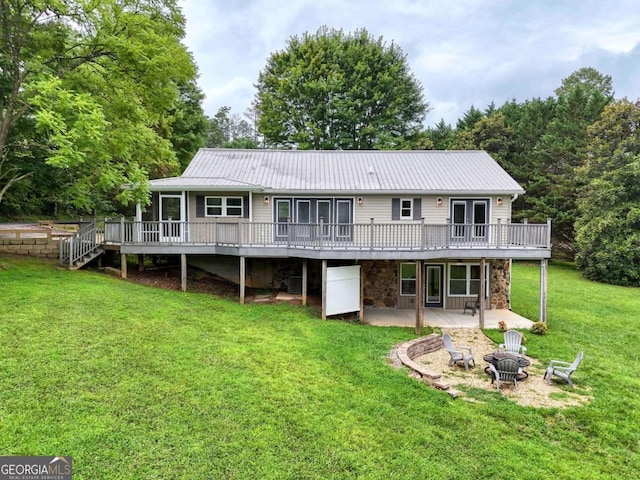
[464,52]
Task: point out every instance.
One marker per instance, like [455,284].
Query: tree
[469,119]
[589,79]
[333,90]
[561,151]
[228,130]
[608,228]
[489,133]
[442,135]
[89,92]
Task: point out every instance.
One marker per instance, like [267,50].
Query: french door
[470,219]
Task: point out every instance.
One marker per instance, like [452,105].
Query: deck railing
[325,236]
[82,242]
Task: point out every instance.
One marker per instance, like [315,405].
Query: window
[406,208]
[223,206]
[407,279]
[464,279]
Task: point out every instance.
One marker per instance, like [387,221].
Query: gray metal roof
[344,171]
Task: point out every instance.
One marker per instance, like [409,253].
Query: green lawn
[138,383]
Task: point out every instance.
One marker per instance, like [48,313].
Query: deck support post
[141,262]
[243,278]
[304,282]
[183,272]
[361,312]
[419,299]
[123,265]
[543,290]
[324,289]
[483,290]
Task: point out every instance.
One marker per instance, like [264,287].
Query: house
[385,229]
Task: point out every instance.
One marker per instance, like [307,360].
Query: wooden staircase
[79,249]
[89,257]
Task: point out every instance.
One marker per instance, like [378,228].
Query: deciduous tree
[337,90]
[90,89]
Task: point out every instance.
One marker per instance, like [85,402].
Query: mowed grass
[136,383]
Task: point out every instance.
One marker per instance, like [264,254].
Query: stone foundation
[380,283]
[500,279]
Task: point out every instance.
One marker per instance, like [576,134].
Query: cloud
[464,52]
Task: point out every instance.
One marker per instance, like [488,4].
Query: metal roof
[352,171]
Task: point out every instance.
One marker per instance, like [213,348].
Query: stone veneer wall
[500,272]
[380,283]
[35,247]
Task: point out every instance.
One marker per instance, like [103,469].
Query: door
[433,285]
[479,219]
[459,216]
[469,218]
[171,226]
[344,221]
[303,220]
[283,216]
[323,217]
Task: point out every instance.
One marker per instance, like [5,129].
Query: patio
[438,317]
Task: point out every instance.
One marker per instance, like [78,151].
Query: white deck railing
[323,236]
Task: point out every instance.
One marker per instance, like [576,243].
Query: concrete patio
[437,317]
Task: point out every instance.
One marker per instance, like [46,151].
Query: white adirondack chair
[458,353]
[563,370]
[513,343]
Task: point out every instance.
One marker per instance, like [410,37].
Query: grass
[142,383]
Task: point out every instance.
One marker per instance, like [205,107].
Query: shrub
[539,328]
[502,326]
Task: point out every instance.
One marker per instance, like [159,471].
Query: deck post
[123,265]
[419,299]
[304,282]
[361,313]
[482,292]
[543,290]
[242,278]
[183,272]
[141,262]
[324,289]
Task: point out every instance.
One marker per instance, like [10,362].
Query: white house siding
[261,213]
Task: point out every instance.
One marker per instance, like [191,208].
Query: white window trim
[401,278]
[467,279]
[223,206]
[410,216]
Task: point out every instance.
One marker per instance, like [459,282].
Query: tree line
[95,102]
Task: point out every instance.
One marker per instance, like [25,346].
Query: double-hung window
[223,206]
[406,208]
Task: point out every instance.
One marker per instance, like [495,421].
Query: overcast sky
[464,52]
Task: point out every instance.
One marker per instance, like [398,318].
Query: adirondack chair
[513,343]
[458,353]
[506,370]
[562,370]
[472,305]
